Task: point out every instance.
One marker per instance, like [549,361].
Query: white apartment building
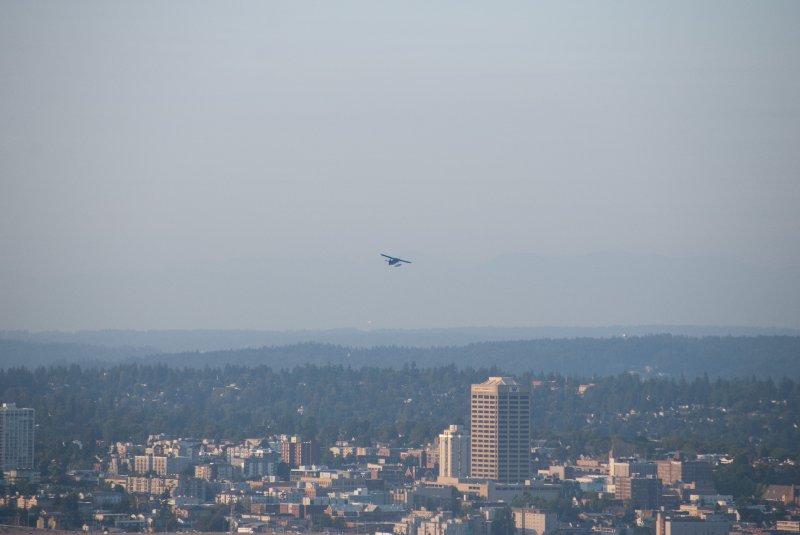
[454,452]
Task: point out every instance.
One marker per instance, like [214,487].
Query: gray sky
[157,157]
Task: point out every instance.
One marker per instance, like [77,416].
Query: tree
[503,522]
[214,520]
[283,471]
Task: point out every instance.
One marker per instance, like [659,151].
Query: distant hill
[649,356]
[658,355]
[175,341]
[21,353]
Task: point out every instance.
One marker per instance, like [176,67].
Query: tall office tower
[16,437]
[454,452]
[500,430]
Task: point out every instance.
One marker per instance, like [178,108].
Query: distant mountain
[658,355]
[28,354]
[130,342]
[649,356]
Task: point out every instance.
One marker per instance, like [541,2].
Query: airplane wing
[394,259]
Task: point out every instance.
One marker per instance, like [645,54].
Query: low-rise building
[786,494]
[639,492]
[685,525]
[529,521]
[791,526]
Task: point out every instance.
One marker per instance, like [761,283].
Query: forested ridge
[649,356]
[82,410]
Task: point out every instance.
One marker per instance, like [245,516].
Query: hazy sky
[143,142]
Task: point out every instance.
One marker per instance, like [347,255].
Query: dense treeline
[658,355]
[80,409]
[650,356]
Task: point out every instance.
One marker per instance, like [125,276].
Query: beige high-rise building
[454,452]
[500,430]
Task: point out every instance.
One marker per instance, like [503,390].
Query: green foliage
[654,355]
[9,514]
[746,481]
[503,522]
[68,506]
[213,520]
[165,521]
[283,471]
[80,412]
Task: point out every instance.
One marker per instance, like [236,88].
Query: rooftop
[500,381]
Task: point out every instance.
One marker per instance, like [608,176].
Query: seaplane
[394,261]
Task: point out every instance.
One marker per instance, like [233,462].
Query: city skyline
[171,449]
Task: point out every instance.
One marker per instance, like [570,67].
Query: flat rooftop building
[454,452]
[500,430]
[16,437]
